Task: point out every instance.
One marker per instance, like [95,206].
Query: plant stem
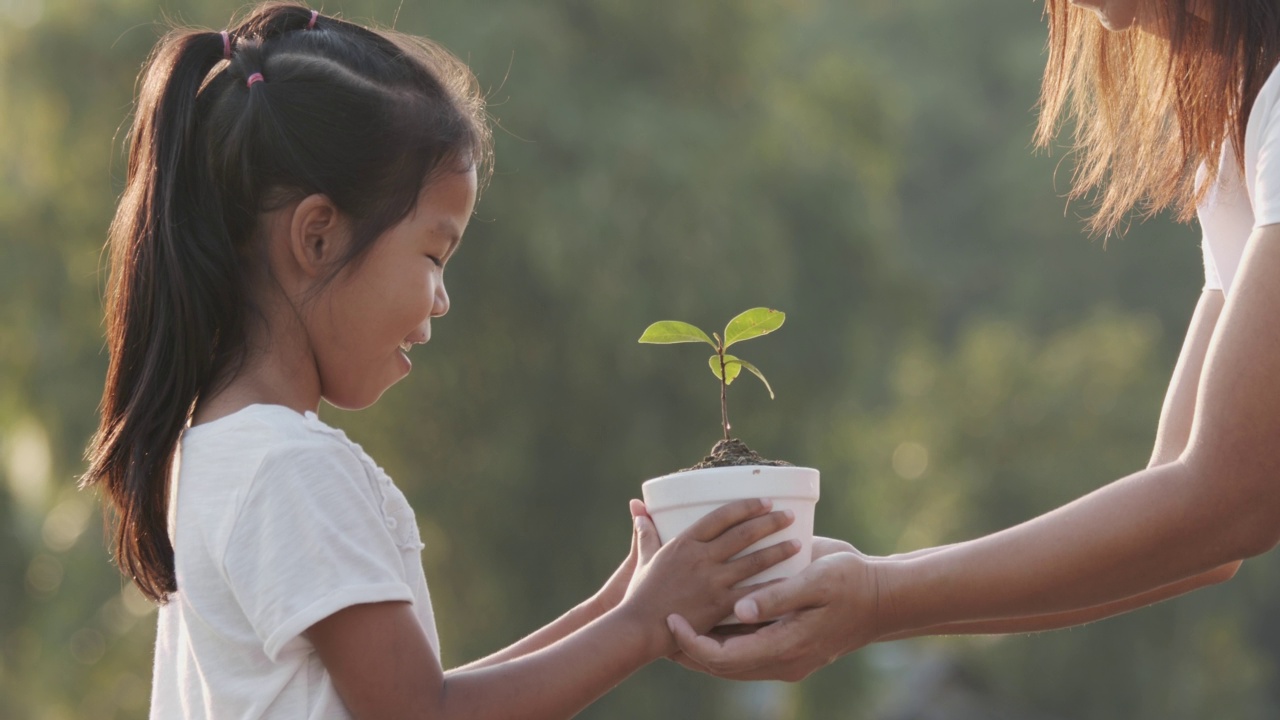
[724,403]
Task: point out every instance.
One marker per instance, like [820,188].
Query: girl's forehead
[451,194]
[445,204]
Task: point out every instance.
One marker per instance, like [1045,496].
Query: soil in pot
[733,452]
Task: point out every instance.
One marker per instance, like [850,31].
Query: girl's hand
[693,575]
[615,588]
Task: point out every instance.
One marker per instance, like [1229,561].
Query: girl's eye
[435,260]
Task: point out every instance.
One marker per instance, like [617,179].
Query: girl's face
[363,324]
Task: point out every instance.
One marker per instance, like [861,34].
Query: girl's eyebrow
[450,232]
[448,229]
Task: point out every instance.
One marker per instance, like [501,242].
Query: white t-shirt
[1233,209]
[278,521]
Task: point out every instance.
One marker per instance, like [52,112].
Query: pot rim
[754,470]
[730,483]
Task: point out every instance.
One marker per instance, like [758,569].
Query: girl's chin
[361,399]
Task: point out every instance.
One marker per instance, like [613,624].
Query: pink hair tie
[311,25]
[254,78]
[226,46]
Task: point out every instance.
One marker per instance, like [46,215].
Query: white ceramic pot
[678,500]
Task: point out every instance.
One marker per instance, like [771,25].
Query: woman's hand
[825,611]
[823,546]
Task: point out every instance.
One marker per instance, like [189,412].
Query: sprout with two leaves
[750,324]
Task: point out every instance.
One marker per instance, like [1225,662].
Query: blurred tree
[956,358]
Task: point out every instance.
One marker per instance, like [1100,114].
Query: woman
[1177,104]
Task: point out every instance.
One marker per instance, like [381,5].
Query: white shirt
[1233,209]
[278,521]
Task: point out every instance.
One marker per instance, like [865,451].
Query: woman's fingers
[825,546]
[739,657]
[683,660]
[700,650]
[825,611]
[802,590]
[780,651]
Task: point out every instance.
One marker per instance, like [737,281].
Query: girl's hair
[229,125]
[1150,107]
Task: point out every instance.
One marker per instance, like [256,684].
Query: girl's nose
[441,305]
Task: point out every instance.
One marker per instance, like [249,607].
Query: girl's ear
[317,234]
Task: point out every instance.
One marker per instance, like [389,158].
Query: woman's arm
[1171,439]
[1216,504]
[1180,400]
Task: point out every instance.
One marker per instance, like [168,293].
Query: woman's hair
[1150,107]
[284,104]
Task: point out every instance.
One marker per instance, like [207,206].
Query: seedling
[750,324]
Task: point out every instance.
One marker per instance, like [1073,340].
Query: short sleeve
[1266,190]
[310,540]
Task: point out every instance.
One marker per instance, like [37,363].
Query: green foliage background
[957,356]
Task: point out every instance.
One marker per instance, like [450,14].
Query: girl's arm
[1216,504]
[593,607]
[383,667]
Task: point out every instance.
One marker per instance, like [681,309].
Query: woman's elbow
[1257,528]
[1242,501]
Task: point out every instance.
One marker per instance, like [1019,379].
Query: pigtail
[167,303]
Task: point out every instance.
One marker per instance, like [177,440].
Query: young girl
[1176,105]
[296,186]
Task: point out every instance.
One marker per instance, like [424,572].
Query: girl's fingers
[741,536]
[646,538]
[713,524]
[638,510]
[752,563]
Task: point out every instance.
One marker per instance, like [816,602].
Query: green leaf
[753,323]
[732,366]
[754,371]
[667,332]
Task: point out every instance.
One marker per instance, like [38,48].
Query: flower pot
[678,500]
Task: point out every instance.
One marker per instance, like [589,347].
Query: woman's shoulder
[1266,106]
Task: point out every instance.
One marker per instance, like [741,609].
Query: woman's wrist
[892,601]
